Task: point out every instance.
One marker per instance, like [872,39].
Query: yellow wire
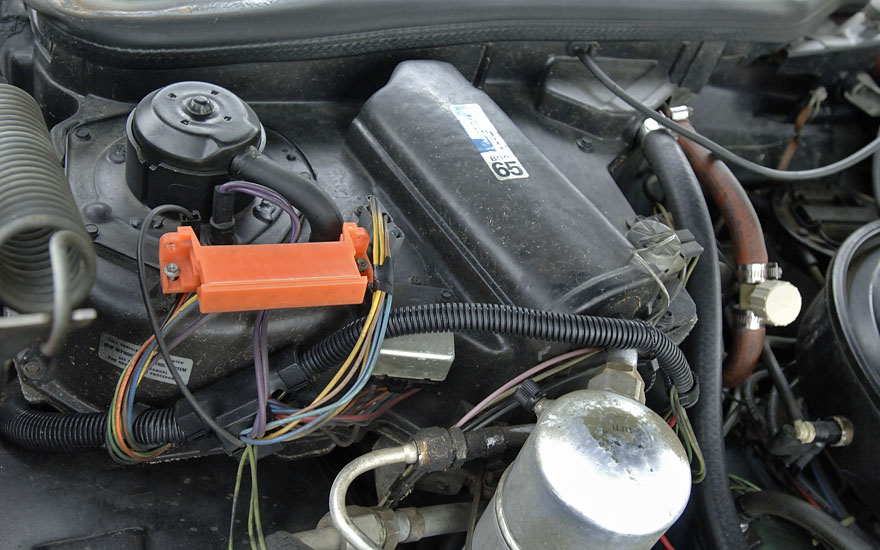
[376,244]
[379,254]
[374,308]
[183,306]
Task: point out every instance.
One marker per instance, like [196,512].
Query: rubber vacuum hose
[35,203]
[799,512]
[703,346]
[325,219]
[748,245]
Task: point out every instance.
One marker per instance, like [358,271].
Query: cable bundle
[358,366]
[120,438]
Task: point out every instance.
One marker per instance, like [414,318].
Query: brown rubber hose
[748,244]
[740,361]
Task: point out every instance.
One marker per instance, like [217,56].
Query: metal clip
[758,273]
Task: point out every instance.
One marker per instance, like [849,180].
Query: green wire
[743,484]
[245,456]
[685,432]
[254,513]
[690,269]
[248,456]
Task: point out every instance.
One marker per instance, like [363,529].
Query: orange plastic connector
[267,276]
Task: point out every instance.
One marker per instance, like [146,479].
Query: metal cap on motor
[599,471]
[181,140]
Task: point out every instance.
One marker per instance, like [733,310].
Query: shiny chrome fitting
[650,125]
[847,431]
[747,319]
[680,113]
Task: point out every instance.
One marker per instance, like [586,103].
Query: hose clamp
[752,274]
[846,431]
[747,319]
[648,126]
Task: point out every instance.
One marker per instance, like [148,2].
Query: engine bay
[567,276]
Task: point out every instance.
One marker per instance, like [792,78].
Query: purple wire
[261,323]
[261,371]
[263,192]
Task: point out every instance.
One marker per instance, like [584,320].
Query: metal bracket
[18,332]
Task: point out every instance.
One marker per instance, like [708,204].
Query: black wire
[780,382]
[157,330]
[722,153]
[749,397]
[510,404]
[346,441]
[493,416]
[773,411]
[875,177]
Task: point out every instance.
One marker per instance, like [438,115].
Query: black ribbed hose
[55,432]
[578,330]
[704,346]
[35,203]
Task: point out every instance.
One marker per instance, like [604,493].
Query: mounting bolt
[584,145]
[363,264]
[82,133]
[172,271]
[117,154]
[92,230]
[199,106]
[33,368]
[446,295]
[264,211]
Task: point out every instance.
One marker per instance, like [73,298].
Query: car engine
[456,275]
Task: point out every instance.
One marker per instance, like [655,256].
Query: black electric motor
[839,355]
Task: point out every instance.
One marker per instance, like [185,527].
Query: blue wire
[325,411]
[376,344]
[831,499]
[142,362]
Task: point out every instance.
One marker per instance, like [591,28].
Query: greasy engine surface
[553,284]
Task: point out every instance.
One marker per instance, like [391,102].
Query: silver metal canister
[600,471]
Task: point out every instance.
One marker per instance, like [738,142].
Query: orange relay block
[267,276]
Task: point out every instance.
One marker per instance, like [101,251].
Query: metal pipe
[409,525]
[406,454]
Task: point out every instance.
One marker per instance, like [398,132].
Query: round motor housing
[181,140]
[839,355]
[600,471]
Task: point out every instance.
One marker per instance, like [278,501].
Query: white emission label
[117,351]
[489,143]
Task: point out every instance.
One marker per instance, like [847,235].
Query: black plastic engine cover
[501,215]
